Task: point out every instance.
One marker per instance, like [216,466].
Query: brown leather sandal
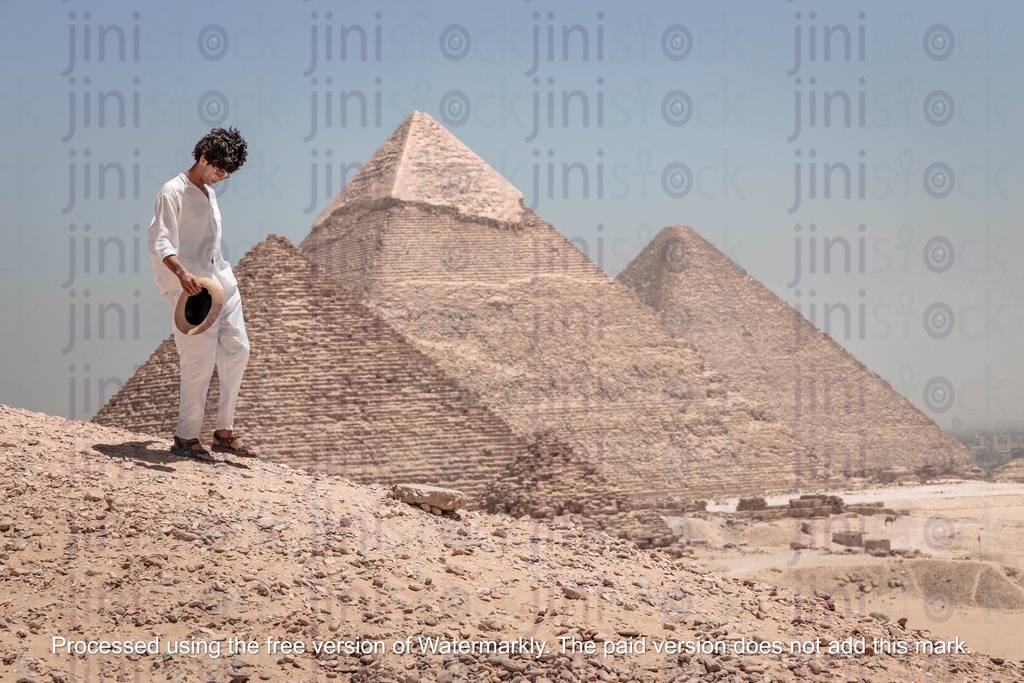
[191,448]
[223,444]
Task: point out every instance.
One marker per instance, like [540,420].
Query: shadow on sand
[159,458]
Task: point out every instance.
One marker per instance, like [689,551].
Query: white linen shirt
[187,223]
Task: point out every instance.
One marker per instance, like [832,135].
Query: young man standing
[184,245]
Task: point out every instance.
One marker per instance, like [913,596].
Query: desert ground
[121,562]
[958,567]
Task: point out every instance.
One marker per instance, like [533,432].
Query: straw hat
[194,314]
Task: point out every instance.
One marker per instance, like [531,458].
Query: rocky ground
[106,540]
[956,564]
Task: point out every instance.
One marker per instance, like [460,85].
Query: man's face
[209,173]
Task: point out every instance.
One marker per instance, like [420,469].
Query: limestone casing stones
[448,500]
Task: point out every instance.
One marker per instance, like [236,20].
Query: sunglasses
[224,174]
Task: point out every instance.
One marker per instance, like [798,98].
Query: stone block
[853,539]
[448,500]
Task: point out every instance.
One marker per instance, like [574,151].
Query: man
[184,245]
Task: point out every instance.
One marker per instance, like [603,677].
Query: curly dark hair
[225,149]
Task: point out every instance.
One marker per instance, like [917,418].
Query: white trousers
[224,346]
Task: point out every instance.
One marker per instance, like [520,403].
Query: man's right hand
[190,283]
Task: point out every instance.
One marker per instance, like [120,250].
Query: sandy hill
[852,420]
[106,537]
[440,245]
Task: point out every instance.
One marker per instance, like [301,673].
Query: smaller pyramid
[422,163]
[853,420]
[330,387]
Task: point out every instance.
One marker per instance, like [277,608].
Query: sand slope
[106,536]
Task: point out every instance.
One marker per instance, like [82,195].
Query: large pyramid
[440,246]
[331,387]
[850,417]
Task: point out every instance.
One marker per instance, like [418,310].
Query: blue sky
[691,117]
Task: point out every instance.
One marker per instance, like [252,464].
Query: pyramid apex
[422,162]
[681,231]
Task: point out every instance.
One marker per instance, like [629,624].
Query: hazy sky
[880,140]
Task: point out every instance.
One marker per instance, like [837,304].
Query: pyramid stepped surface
[331,387]
[548,341]
[850,417]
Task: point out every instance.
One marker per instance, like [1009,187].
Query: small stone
[572,593]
